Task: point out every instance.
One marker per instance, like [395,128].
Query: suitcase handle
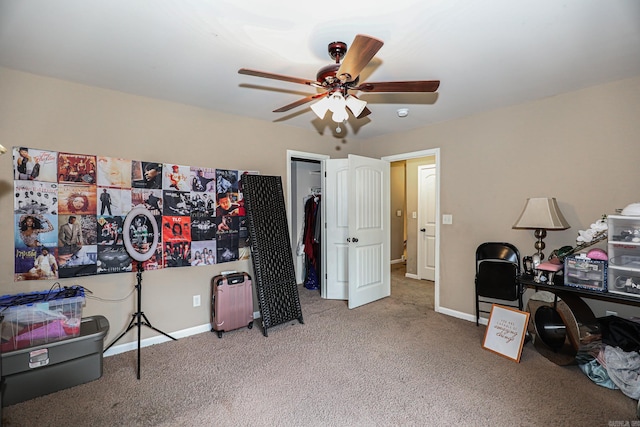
[233,278]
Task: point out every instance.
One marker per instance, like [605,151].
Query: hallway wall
[580,147]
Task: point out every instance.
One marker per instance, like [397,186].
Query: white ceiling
[487,54]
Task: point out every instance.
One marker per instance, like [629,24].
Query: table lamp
[541,214]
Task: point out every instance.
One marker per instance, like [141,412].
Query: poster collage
[70,209]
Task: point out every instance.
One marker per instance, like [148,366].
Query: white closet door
[356,206]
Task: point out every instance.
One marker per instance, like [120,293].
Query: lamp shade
[321,107]
[339,116]
[541,213]
[355,105]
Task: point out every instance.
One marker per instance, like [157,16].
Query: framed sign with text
[505,331]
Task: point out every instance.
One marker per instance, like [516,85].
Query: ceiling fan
[337,79]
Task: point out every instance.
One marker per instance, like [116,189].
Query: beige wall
[55,115]
[397,203]
[580,147]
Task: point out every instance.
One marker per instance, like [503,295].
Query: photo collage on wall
[70,210]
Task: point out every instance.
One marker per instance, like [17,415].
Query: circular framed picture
[140,232]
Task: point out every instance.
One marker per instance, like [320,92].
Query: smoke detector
[403,112]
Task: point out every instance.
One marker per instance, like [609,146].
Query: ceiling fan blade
[407,86]
[300,102]
[257,73]
[361,51]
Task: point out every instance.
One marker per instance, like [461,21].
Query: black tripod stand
[137,318]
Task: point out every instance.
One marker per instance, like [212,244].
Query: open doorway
[420,212]
[304,180]
[413,159]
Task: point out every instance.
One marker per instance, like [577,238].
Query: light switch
[447,219]
[398,212]
[414,215]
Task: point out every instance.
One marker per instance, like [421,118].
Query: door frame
[434,152]
[291,154]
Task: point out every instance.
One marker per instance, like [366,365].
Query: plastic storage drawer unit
[585,273]
[624,255]
[626,282]
[36,371]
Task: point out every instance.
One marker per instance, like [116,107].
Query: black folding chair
[497,271]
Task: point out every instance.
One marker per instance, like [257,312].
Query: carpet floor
[394,362]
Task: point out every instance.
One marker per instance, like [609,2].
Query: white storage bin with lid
[624,229]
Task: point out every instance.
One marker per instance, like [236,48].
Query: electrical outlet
[611,313]
[196,300]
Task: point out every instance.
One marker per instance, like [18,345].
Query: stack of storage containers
[624,255]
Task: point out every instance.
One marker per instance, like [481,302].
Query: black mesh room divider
[271,253]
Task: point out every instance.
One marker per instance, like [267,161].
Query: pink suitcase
[231,302]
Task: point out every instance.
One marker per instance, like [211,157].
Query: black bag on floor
[620,332]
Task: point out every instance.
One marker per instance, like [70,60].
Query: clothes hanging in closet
[311,239]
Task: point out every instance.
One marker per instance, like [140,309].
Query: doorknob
[349,239]
[423,229]
[355,240]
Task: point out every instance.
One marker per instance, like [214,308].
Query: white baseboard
[157,339]
[161,338]
[411,276]
[463,316]
[396,261]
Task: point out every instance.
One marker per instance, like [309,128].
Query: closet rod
[298,159]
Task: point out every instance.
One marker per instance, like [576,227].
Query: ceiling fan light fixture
[334,103]
[340,116]
[321,107]
[337,102]
[355,105]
